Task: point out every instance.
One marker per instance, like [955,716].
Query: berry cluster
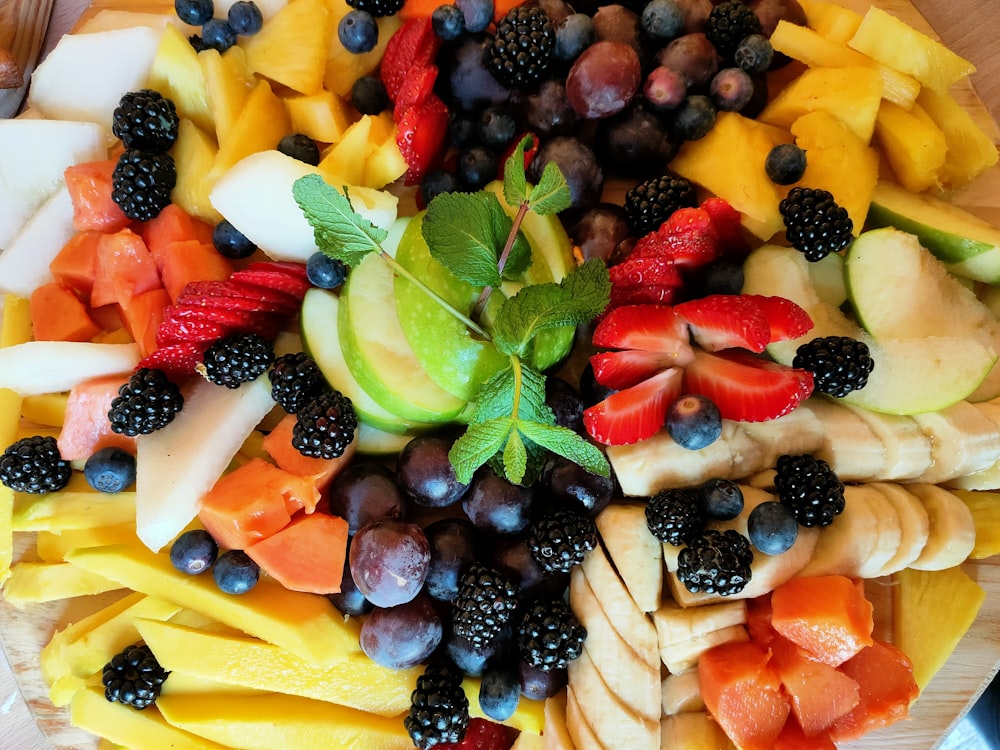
[194,552]
[244,18]
[145,174]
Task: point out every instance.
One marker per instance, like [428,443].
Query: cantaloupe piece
[278,445]
[86,428]
[306,555]
[57,314]
[190,260]
[76,264]
[125,268]
[89,186]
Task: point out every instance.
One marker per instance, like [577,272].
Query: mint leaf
[339,231]
[478,445]
[551,194]
[462,232]
[514,182]
[515,458]
[576,299]
[567,444]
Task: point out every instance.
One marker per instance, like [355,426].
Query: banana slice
[635,682]
[634,552]
[556,734]
[850,446]
[681,693]
[889,535]
[907,449]
[987,478]
[693,731]
[963,440]
[846,543]
[952,533]
[683,655]
[675,624]
[797,432]
[913,526]
[579,730]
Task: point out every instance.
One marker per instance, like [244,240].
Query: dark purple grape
[556,10]
[496,127]
[546,111]
[469,84]
[537,684]
[759,99]
[478,14]
[565,402]
[693,56]
[349,600]
[731,89]
[604,79]
[694,118]
[696,14]
[363,492]
[579,166]
[403,636]
[497,506]
[769,12]
[664,88]
[389,561]
[636,141]
[571,485]
[694,422]
[425,474]
[599,230]
[511,555]
[453,547]
[616,23]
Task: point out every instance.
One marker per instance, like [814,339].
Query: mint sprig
[338,229]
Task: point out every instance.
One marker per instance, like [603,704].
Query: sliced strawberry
[480,735]
[288,267]
[260,298]
[188,331]
[414,45]
[276,280]
[786,319]
[421,135]
[723,321]
[416,89]
[644,281]
[623,369]
[728,226]
[232,319]
[688,238]
[177,360]
[747,388]
[635,413]
[230,301]
[653,328]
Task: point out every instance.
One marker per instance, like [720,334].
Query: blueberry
[358,32]
[772,528]
[194,12]
[235,572]
[301,147]
[731,89]
[437,182]
[478,14]
[448,22]
[245,17]
[496,127]
[662,19]
[194,552]
[785,164]
[110,470]
[325,272]
[720,276]
[754,53]
[499,693]
[477,166]
[694,117]
[218,34]
[198,43]
[694,422]
[722,499]
[230,242]
[461,130]
[573,35]
[368,95]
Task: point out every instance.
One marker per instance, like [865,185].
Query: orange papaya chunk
[142,316]
[306,555]
[173,224]
[278,444]
[125,268]
[89,187]
[184,261]
[827,616]
[76,264]
[86,428]
[793,738]
[57,314]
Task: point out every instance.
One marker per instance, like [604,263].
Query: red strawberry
[277,280]
[261,298]
[688,238]
[728,226]
[177,360]
[291,268]
[623,369]
[420,135]
[414,45]
[188,331]
[653,328]
[786,319]
[231,319]
[722,321]
[744,387]
[480,735]
[416,89]
[635,413]
[644,281]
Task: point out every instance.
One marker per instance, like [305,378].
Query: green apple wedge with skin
[899,290]
[911,375]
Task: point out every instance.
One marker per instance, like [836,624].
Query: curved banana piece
[579,729]
[847,542]
[850,446]
[914,526]
[889,534]
[907,449]
[963,439]
[952,533]
[635,551]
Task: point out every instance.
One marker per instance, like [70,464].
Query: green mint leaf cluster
[339,231]
[547,198]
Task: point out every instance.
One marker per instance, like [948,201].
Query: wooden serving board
[22,31]
[947,698]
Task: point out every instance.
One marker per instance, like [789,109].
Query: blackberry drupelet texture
[716,562]
[810,488]
[839,364]
[522,47]
[147,403]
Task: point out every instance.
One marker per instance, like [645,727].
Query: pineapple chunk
[914,146]
[324,116]
[262,123]
[932,610]
[343,68]
[384,165]
[831,21]
[985,509]
[45,409]
[194,154]
[36,582]
[970,150]
[15,328]
[177,74]
[291,48]
[851,94]
[346,159]
[900,46]
[838,161]
[228,81]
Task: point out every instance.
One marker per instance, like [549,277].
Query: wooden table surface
[967,26]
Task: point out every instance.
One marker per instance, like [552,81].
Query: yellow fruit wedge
[346,159]
[262,122]
[695,730]
[291,49]
[385,164]
[36,582]
[15,328]
[177,74]
[529,716]
[323,116]
[228,81]
[78,506]
[932,610]
[44,409]
[343,68]
[970,152]
[305,624]
[357,682]
[985,509]
[830,20]
[913,145]
[52,547]
[194,154]
[182,684]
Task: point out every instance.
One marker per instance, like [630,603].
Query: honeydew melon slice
[37,367]
[24,265]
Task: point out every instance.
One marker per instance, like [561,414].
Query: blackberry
[147,403]
[715,562]
[484,604]
[142,182]
[815,224]
[295,379]
[439,708]
[561,540]
[325,426]
[133,677]
[810,488]
[728,24]
[839,364]
[238,359]
[549,635]
[377,8]
[146,120]
[650,203]
[675,516]
[521,49]
[33,465]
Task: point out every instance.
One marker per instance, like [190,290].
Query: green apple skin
[911,375]
[969,245]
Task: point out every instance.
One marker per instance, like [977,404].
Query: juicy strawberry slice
[728,227]
[416,89]
[287,267]
[623,369]
[635,413]
[688,238]
[644,281]
[233,320]
[276,280]
[414,45]
[480,735]
[188,331]
[653,328]
[786,319]
[177,360]
[746,388]
[222,293]
[420,135]
[722,321]
[231,301]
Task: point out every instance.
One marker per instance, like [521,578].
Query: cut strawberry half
[287,267]
[644,281]
[746,388]
[260,298]
[188,331]
[415,90]
[420,135]
[728,226]
[414,45]
[653,328]
[636,413]
[786,319]
[178,361]
[273,279]
[480,735]
[723,321]
[623,369]
[688,238]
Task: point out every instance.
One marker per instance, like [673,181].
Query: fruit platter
[500,375]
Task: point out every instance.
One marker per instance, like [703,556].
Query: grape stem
[515,227]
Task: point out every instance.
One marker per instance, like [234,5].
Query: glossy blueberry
[573,35]
[461,130]
[662,19]
[235,572]
[499,693]
[325,272]
[437,182]
[478,14]
[496,127]
[194,12]
[110,470]
[721,276]
[194,552]
[301,147]
[754,54]
[368,95]
[218,34]
[772,528]
[448,22]
[476,167]
[230,242]
[722,499]
[731,89]
[694,422]
[358,32]
[245,17]
[785,164]
[694,117]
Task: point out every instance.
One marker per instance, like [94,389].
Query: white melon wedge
[38,367]
[179,463]
[952,531]
[24,265]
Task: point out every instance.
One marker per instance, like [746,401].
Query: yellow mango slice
[970,152]
[78,506]
[830,20]
[177,74]
[52,547]
[291,48]
[15,328]
[182,684]
[913,145]
[46,409]
[985,509]
[37,582]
